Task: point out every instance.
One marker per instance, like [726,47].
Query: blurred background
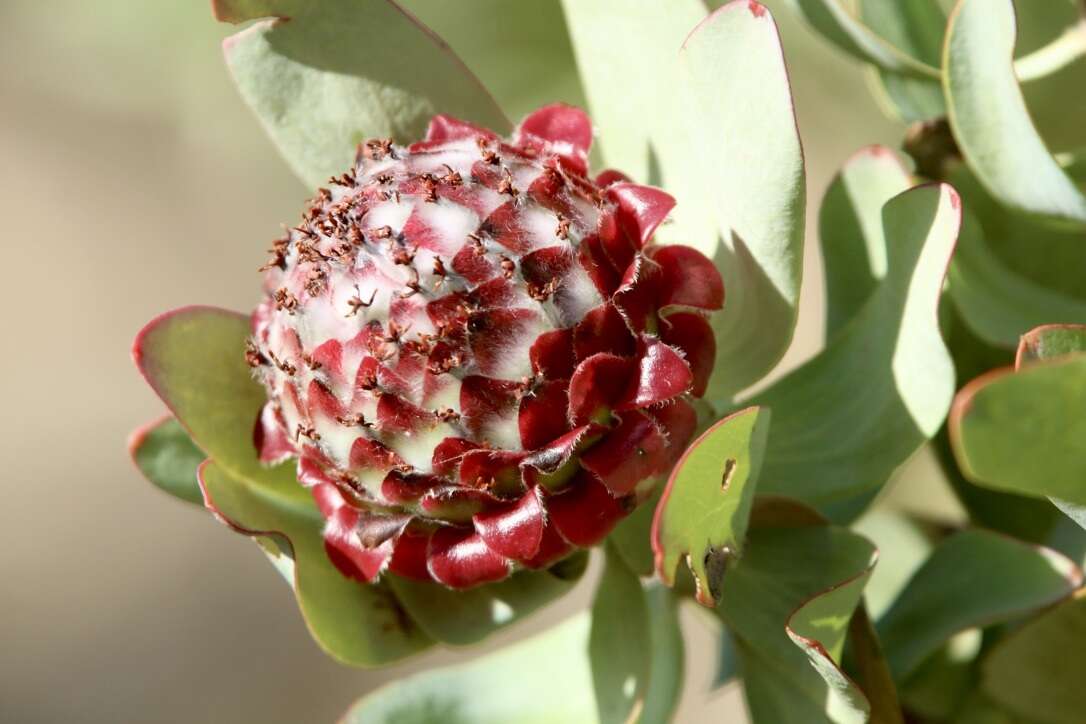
[134,180]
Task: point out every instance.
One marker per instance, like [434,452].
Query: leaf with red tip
[586,511]
[167,457]
[692,334]
[597,386]
[359,544]
[448,455]
[703,513]
[409,555]
[193,358]
[459,558]
[610,176]
[687,278]
[714,125]
[457,504]
[662,374]
[632,452]
[361,625]
[638,297]
[462,617]
[1049,342]
[514,532]
[1023,431]
[640,209]
[566,129]
[369,454]
[396,415]
[497,471]
[320,83]
[551,466]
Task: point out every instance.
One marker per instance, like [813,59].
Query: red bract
[475,355]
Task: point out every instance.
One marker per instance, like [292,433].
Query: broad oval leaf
[974,578]
[709,118]
[1022,431]
[323,77]
[1020,673]
[703,513]
[541,680]
[167,457]
[990,120]
[357,624]
[194,359]
[835,438]
[788,603]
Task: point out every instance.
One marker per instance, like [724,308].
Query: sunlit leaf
[916,28]
[1022,431]
[788,603]
[542,680]
[990,120]
[707,113]
[323,77]
[850,230]
[844,421]
[702,515]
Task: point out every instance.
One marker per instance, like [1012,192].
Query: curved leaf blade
[990,120]
[1019,675]
[788,602]
[339,72]
[1022,431]
[850,230]
[862,435]
[974,578]
[1050,341]
[541,680]
[749,159]
[916,28]
[194,359]
[619,645]
[461,618]
[711,120]
[167,457]
[357,624]
[835,23]
[703,513]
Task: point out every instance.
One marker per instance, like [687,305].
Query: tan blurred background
[133,180]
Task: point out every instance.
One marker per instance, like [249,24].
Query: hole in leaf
[729,471]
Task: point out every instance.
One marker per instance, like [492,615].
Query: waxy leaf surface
[541,680]
[990,120]
[973,579]
[1038,670]
[357,624]
[835,439]
[166,456]
[702,107]
[1022,431]
[788,602]
[323,77]
[916,28]
[703,513]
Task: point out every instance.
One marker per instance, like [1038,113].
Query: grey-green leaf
[990,120]
[975,578]
[844,421]
[342,71]
[166,456]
